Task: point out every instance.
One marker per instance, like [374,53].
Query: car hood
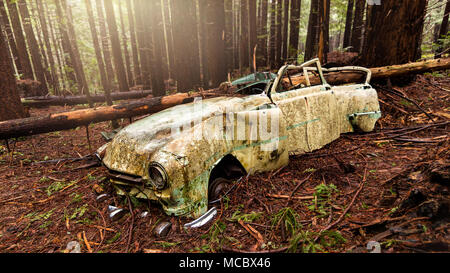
[132,148]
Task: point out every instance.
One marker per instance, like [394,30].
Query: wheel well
[229,167]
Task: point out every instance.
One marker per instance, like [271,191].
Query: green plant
[288,217]
[322,199]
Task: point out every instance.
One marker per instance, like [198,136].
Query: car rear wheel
[217,188]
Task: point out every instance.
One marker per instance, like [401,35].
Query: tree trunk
[69,35]
[98,53]
[285,47]
[169,38]
[443,31]
[75,100]
[324,36]
[394,32]
[261,58]
[252,32]
[33,47]
[296,8]
[105,43]
[186,45]
[136,66]
[10,106]
[45,32]
[272,35]
[358,23]
[229,35]
[115,45]
[142,46]
[125,48]
[311,37]
[56,45]
[214,23]
[20,41]
[279,33]
[10,36]
[348,23]
[157,40]
[244,55]
[70,120]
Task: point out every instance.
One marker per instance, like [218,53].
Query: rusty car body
[162,158]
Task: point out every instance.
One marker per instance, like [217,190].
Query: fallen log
[70,120]
[336,78]
[38,102]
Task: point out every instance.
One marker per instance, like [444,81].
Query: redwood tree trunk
[115,44]
[20,40]
[157,39]
[186,45]
[348,24]
[10,105]
[10,36]
[244,42]
[214,42]
[358,23]
[313,24]
[261,58]
[394,32]
[134,50]
[98,53]
[252,31]
[296,8]
[105,43]
[443,29]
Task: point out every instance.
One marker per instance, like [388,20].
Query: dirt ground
[390,187]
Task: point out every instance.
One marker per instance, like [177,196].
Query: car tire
[217,188]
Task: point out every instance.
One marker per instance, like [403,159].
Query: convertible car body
[180,157]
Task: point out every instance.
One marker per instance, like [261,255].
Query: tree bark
[272,35]
[394,32]
[358,23]
[296,8]
[263,34]
[105,43]
[20,41]
[443,30]
[214,42]
[134,51]
[39,102]
[33,47]
[98,53]
[70,120]
[186,44]
[324,36]
[279,33]
[115,45]
[244,55]
[311,37]
[285,47]
[252,32]
[157,40]
[10,36]
[10,106]
[45,32]
[69,35]
[125,43]
[348,23]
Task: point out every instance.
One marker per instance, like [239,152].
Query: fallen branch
[46,101]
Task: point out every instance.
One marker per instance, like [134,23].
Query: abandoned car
[186,156]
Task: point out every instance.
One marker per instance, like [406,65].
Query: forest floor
[390,186]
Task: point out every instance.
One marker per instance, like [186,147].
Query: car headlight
[157,175]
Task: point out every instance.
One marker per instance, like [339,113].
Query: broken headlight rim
[157,175]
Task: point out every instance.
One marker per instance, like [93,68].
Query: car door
[309,107]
